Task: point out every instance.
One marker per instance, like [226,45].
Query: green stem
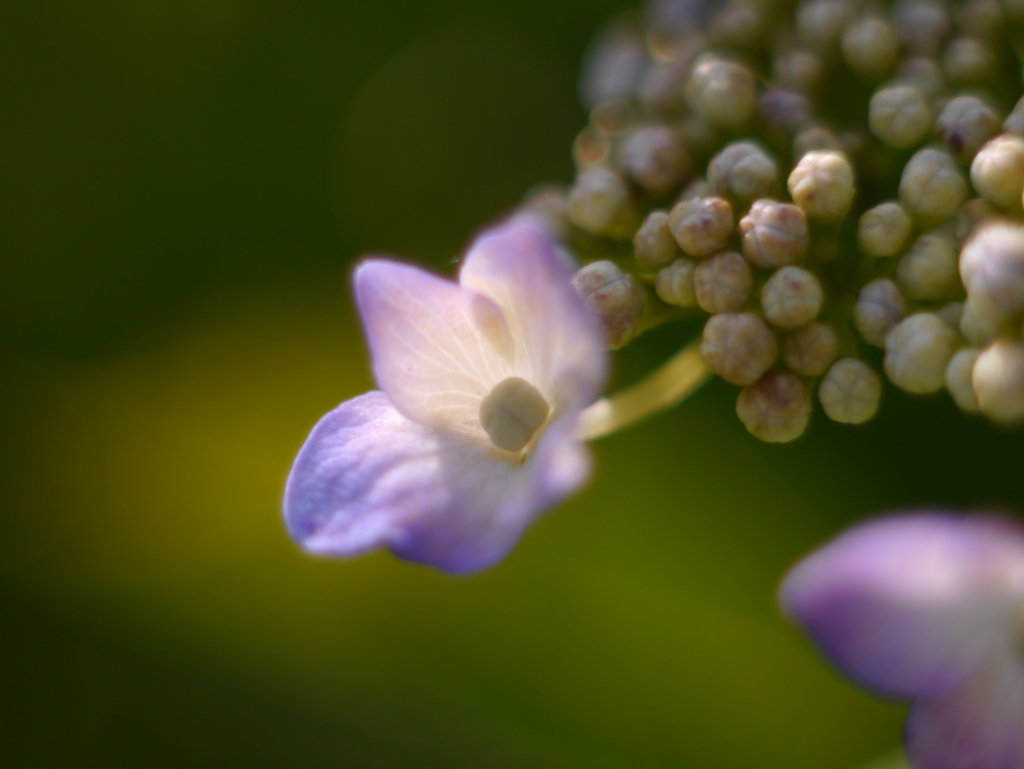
[677,378]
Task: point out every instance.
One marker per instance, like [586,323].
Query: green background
[183,187]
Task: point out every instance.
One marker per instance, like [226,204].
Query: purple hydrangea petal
[909,605]
[367,477]
[976,725]
[437,348]
[558,344]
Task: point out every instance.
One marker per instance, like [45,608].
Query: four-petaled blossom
[927,607]
[471,435]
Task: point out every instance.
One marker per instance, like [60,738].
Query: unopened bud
[884,229]
[880,306]
[968,62]
[958,379]
[992,269]
[738,346]
[815,138]
[737,25]
[654,245]
[917,352]
[929,269]
[662,91]
[774,234]
[791,298]
[981,18]
[600,202]
[613,65]
[809,350]
[784,112]
[998,379]
[950,313]
[899,116]
[973,213]
[850,392]
[822,185]
[980,326]
[701,226]
[675,283]
[820,24]
[744,171]
[723,282]
[923,74]
[932,186]
[922,26]
[965,124]
[798,70]
[1014,123]
[654,158]
[871,48]
[997,172]
[614,297]
[775,408]
[722,92]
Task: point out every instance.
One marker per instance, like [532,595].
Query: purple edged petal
[978,724]
[558,344]
[437,348]
[367,477]
[909,605]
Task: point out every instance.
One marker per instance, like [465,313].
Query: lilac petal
[976,725]
[367,477]
[909,605]
[438,349]
[558,345]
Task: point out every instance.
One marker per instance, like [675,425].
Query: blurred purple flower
[927,607]
[472,433]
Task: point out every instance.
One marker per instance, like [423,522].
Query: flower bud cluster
[820,179]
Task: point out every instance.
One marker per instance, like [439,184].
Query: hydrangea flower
[927,607]
[472,433]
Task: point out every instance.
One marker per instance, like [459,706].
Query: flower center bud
[512,413]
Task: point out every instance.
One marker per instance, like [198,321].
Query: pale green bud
[654,158]
[743,170]
[815,138]
[850,392]
[722,92]
[600,202]
[773,234]
[932,186]
[798,70]
[929,269]
[917,352]
[899,116]
[654,245]
[870,47]
[958,379]
[675,283]
[820,24]
[922,26]
[775,408]
[614,297]
[701,226]
[880,306]
[809,350]
[791,297]
[967,61]
[884,229]
[738,346]
[723,282]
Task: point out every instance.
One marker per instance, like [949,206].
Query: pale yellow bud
[980,326]
[850,392]
[722,92]
[822,185]
[614,297]
[998,379]
[815,138]
[899,116]
[967,61]
[773,234]
[820,23]
[743,170]
[600,202]
[997,172]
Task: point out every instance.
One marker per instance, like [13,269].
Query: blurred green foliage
[183,187]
